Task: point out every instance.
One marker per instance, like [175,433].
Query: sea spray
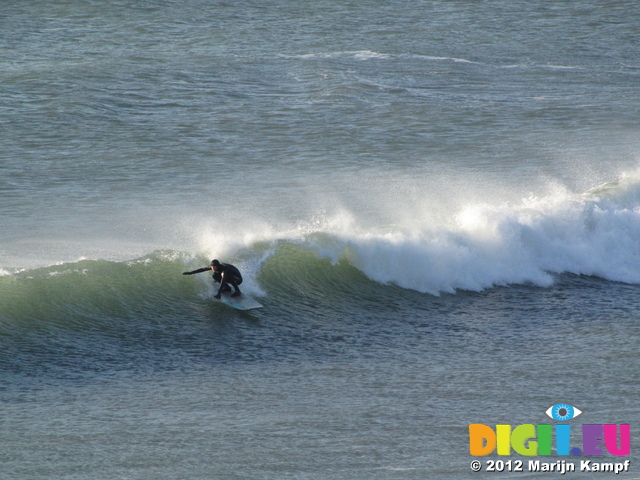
[595,233]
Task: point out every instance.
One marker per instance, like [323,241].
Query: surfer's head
[215,264]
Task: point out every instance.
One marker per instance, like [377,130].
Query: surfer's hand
[218,296]
[186,273]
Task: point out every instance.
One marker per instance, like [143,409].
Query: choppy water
[438,205]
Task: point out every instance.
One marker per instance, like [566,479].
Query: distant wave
[368,55]
[534,66]
[435,58]
[358,54]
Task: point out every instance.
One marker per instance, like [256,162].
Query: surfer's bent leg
[217,277]
[235,281]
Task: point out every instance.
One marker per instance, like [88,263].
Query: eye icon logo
[562,412]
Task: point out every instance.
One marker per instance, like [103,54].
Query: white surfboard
[243,302]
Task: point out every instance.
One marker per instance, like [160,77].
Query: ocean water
[437,203]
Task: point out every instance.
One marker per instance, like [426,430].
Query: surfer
[225,274]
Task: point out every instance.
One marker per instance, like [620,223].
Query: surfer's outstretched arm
[200,270]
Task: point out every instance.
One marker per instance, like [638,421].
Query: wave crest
[596,234]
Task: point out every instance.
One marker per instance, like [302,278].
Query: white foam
[597,233]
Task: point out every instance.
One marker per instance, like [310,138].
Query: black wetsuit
[226,275]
